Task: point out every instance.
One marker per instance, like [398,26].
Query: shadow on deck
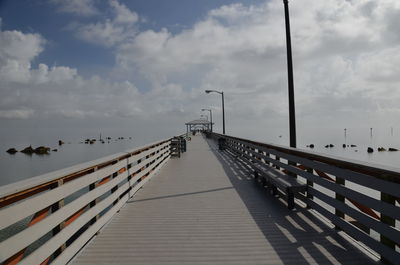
[298,237]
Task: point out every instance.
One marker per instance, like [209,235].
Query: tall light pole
[223,107]
[292,115]
[210,117]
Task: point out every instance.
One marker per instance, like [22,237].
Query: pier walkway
[205,208]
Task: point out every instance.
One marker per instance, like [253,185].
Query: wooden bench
[277,179]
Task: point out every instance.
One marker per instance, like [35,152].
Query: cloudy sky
[144,65]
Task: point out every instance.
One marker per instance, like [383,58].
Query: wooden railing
[339,189]
[48,219]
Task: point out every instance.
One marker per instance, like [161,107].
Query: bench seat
[277,179]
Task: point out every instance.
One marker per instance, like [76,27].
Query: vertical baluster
[341,198]
[265,160]
[55,207]
[277,158]
[389,221]
[309,184]
[115,188]
[93,203]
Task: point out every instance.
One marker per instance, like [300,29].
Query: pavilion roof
[198,122]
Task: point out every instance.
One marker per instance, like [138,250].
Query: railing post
[55,207]
[389,221]
[309,184]
[341,198]
[277,158]
[94,202]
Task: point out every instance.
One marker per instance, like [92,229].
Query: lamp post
[292,116]
[210,117]
[223,107]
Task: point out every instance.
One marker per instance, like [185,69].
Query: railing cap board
[26,184]
[380,171]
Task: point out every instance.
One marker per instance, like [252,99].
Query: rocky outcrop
[12,151]
[42,150]
[28,150]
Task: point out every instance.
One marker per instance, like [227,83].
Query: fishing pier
[205,199]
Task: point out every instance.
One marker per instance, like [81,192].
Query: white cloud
[18,46]
[339,46]
[16,114]
[111,31]
[346,59]
[77,7]
[16,53]
[122,13]
[103,33]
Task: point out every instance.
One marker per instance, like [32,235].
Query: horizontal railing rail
[48,219]
[360,199]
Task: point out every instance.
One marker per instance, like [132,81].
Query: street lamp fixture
[223,107]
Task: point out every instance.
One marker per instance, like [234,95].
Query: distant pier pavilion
[199,125]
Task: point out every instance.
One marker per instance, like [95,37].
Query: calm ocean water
[21,166]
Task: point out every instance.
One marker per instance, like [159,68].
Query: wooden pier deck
[205,208]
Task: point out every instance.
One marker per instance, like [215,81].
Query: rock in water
[344,145]
[311,146]
[391,149]
[60,142]
[12,151]
[353,145]
[331,145]
[54,150]
[28,150]
[370,150]
[381,149]
[42,150]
